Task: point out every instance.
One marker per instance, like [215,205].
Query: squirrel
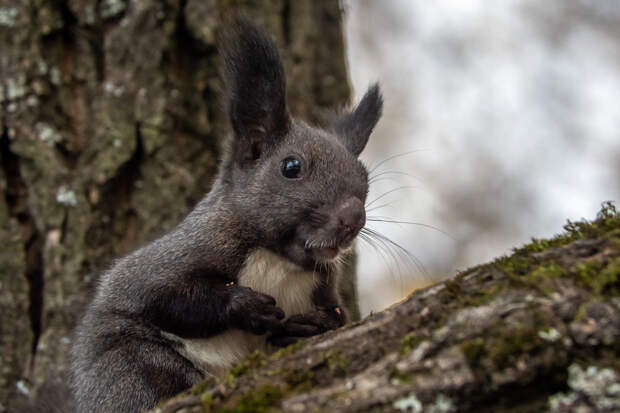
[254,264]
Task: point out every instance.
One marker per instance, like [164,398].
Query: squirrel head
[297,190]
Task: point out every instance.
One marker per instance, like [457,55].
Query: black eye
[291,167]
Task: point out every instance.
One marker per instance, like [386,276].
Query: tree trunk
[536,331]
[110,130]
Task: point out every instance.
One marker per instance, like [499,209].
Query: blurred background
[504,120]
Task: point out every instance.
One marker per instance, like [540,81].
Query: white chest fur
[270,274]
[273,275]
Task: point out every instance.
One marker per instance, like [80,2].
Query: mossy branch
[538,330]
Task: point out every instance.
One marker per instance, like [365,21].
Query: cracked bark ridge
[110,126]
[536,331]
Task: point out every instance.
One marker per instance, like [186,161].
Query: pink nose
[351,218]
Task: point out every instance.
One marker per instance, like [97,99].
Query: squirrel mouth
[324,251]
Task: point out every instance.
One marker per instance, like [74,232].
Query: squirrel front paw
[253,311]
[306,325]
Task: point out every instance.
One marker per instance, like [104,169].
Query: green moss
[540,276]
[595,275]
[453,287]
[473,350]
[611,278]
[545,272]
[398,377]
[303,383]
[260,400]
[509,345]
[409,342]
[598,277]
[537,245]
[266,397]
[573,233]
[207,403]
[582,311]
[254,361]
[454,292]
[273,372]
[287,351]
[515,266]
[587,274]
[336,362]
[483,297]
[295,377]
[608,219]
[202,387]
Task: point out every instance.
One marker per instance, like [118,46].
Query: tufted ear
[354,128]
[255,89]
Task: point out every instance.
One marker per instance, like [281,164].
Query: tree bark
[110,126]
[536,331]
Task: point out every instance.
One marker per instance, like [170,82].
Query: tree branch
[538,330]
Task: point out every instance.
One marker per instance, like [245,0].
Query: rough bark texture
[110,123]
[536,331]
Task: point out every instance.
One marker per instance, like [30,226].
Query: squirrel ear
[354,128]
[255,88]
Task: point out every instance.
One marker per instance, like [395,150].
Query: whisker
[400,249]
[371,242]
[420,224]
[373,178]
[374,168]
[397,256]
[387,204]
[383,246]
[389,192]
[386,178]
[386,258]
[343,259]
[384,251]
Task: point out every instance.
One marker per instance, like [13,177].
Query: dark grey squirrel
[256,263]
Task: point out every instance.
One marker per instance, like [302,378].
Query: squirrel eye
[291,167]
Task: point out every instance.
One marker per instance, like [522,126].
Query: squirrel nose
[351,218]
